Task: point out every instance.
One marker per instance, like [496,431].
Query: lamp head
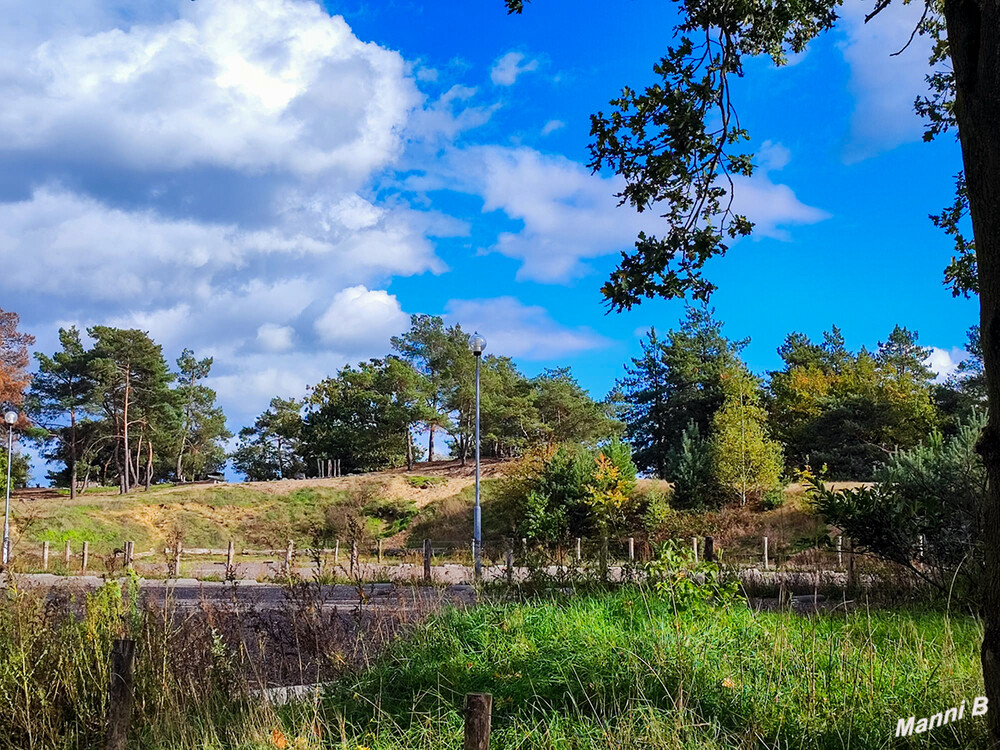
[10,417]
[477,344]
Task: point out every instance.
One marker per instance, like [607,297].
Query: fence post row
[120,694]
[478,715]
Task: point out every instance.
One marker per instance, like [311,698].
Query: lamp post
[476,344]
[10,418]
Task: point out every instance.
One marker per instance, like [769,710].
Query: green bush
[923,512]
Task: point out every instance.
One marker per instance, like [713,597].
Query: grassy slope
[266,514]
[622,671]
[255,515]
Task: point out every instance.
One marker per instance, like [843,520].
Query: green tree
[202,425]
[747,462]
[566,411]
[133,382]
[365,415]
[676,142]
[64,389]
[428,346]
[851,411]
[677,380]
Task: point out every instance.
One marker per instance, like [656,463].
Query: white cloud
[123,257]
[243,84]
[359,318]
[275,338]
[514,329]
[884,87]
[508,67]
[552,126]
[571,215]
[944,362]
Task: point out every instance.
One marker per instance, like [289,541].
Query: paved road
[189,592]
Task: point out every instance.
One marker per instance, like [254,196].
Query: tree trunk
[430,444]
[72,453]
[409,450]
[180,456]
[149,463]
[974,43]
[128,456]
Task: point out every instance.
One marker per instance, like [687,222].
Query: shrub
[924,512]
[694,480]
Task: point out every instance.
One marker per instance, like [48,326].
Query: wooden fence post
[177,559]
[851,575]
[289,554]
[709,549]
[336,553]
[68,553]
[510,562]
[45,555]
[694,542]
[85,555]
[427,560]
[578,556]
[379,550]
[631,549]
[478,715]
[230,556]
[840,553]
[765,553]
[120,694]
[129,553]
[354,558]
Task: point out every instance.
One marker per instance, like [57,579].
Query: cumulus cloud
[570,215]
[883,87]
[121,257]
[514,329]
[944,362]
[358,317]
[509,66]
[244,84]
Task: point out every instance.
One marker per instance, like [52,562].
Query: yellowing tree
[747,461]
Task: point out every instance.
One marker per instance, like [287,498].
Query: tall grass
[625,669]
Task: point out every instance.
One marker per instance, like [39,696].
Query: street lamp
[10,418]
[476,344]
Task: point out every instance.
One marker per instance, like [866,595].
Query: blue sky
[280,184]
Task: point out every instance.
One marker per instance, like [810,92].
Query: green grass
[625,671]
[422,483]
[599,672]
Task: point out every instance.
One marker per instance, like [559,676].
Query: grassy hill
[257,515]
[402,508]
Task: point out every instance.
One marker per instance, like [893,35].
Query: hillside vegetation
[402,508]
